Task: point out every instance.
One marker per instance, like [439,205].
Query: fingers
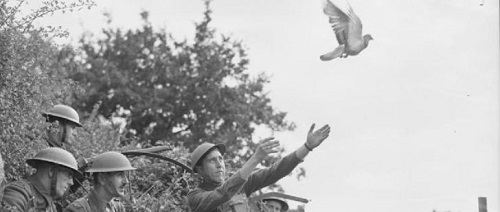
[265,140]
[271,148]
[268,145]
[312,128]
[324,130]
[272,145]
[317,137]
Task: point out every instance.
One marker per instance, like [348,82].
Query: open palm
[317,137]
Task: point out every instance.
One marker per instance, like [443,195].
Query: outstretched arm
[283,167]
[264,148]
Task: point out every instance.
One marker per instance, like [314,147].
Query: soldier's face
[64,181]
[213,166]
[69,132]
[61,132]
[117,184]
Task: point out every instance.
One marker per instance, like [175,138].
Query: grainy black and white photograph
[250,105]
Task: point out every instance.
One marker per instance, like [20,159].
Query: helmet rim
[56,156]
[283,203]
[64,112]
[110,161]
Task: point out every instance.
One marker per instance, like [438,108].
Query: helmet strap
[53,181]
[130,187]
[63,134]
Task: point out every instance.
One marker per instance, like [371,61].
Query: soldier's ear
[100,178]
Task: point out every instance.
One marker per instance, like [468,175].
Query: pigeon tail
[333,54]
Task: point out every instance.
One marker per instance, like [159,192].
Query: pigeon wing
[338,20]
[355,25]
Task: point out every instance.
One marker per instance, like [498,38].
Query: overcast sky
[415,117]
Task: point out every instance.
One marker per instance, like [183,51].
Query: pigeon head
[367,38]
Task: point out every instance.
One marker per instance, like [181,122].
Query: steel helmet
[110,162]
[284,205]
[203,149]
[64,112]
[55,155]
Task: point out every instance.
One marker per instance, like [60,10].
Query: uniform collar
[95,200]
[209,184]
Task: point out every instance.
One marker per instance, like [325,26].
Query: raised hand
[266,147]
[317,137]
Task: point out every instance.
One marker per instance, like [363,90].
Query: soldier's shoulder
[20,186]
[18,183]
[15,195]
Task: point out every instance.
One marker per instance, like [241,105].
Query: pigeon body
[348,31]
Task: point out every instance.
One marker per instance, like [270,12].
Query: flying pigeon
[348,30]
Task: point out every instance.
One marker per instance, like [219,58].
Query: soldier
[64,131]
[61,134]
[216,193]
[55,168]
[275,204]
[110,171]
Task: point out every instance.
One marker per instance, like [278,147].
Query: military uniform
[89,204]
[232,195]
[27,195]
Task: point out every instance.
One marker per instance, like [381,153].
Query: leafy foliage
[12,18]
[32,78]
[161,186]
[176,91]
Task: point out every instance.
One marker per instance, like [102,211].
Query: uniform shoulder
[16,195]
[18,184]
[22,187]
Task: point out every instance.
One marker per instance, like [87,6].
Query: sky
[414,117]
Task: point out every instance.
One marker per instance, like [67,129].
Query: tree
[32,78]
[177,91]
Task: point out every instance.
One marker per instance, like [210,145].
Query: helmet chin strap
[130,187]
[53,181]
